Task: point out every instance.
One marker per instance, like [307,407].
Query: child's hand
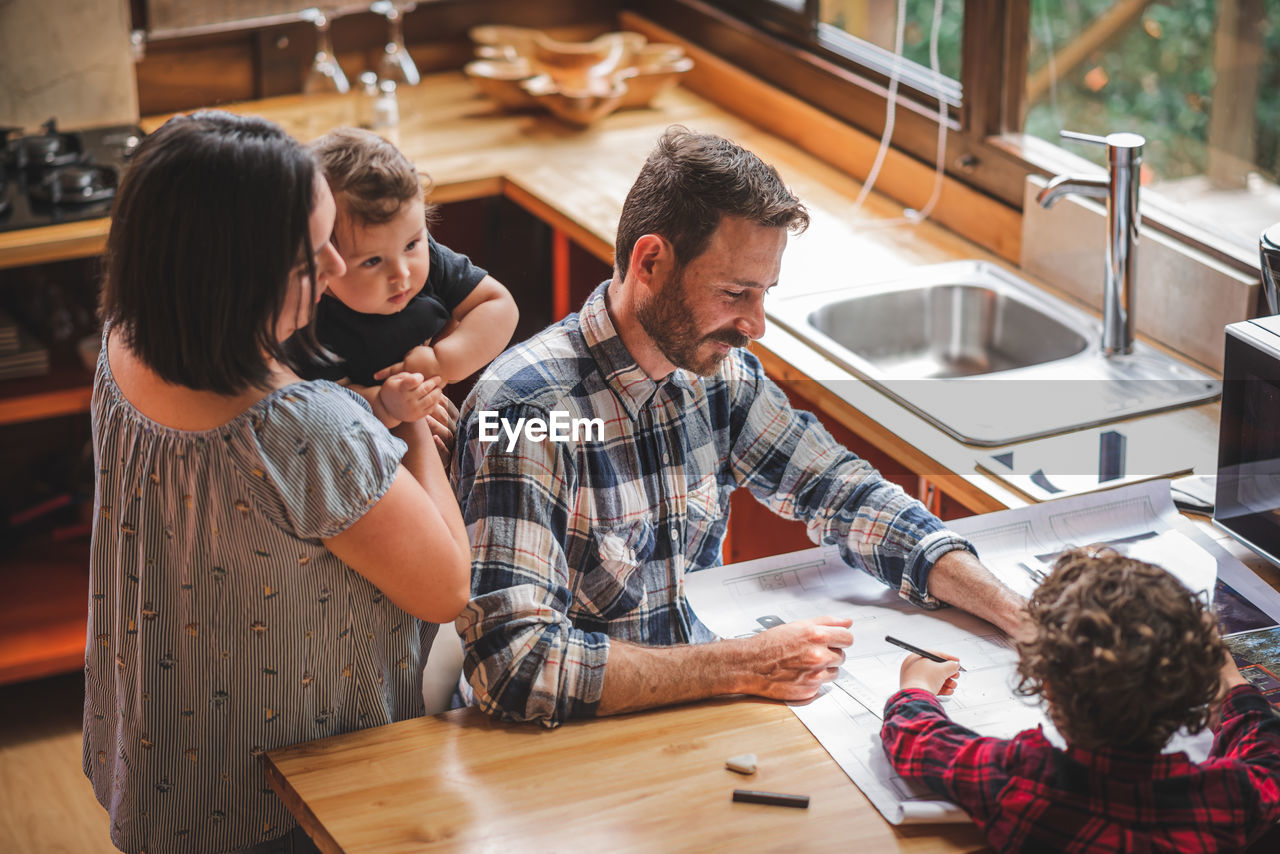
[420,360]
[409,397]
[937,677]
[1230,675]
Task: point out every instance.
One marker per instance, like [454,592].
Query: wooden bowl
[577,107]
[501,81]
[645,85]
[573,64]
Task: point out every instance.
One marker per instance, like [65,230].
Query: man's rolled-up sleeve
[792,464]
[524,659]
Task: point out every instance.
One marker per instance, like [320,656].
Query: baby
[1124,656]
[409,314]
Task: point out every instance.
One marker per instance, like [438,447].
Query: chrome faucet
[1120,189]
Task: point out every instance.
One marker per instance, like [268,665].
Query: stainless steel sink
[945,330]
[986,356]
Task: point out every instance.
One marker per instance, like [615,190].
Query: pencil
[932,656]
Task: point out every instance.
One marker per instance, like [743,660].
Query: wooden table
[650,781]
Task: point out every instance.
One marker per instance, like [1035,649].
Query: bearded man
[580,547]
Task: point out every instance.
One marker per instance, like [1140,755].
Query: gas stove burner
[58,176]
[124,140]
[45,150]
[75,185]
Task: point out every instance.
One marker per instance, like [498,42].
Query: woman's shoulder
[312,405]
[317,455]
[315,412]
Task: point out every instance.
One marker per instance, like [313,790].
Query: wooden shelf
[66,390]
[82,239]
[44,611]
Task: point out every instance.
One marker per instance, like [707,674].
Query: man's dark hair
[210,220]
[1124,653]
[371,179]
[691,180]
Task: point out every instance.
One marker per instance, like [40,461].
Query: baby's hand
[938,677]
[409,397]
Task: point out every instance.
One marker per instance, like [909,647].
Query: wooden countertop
[650,781]
[576,181]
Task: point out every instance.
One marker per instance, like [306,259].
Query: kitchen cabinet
[62,286]
[46,475]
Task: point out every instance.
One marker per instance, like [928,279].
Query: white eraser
[744,763]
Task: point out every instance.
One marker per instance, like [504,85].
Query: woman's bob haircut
[210,220]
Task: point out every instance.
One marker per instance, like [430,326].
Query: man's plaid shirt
[574,543]
[1028,795]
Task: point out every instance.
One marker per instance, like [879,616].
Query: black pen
[776,799]
[932,656]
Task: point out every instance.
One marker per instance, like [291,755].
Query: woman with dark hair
[266,556]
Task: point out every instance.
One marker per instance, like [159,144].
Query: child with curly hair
[1124,656]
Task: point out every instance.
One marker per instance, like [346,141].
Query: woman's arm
[412,544]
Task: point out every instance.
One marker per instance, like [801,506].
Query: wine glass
[396,63]
[325,74]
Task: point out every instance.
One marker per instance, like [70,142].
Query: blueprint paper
[741,599]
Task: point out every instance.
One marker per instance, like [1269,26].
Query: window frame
[985,147]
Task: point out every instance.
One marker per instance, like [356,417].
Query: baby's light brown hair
[370,178]
[1124,653]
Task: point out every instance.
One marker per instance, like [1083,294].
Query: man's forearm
[787,662]
[644,677]
[958,578]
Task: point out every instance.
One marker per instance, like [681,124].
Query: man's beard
[668,319]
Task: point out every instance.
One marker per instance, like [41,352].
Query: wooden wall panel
[172,77]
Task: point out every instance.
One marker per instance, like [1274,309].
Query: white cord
[941,147]
[1053,68]
[909,215]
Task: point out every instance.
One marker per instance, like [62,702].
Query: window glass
[874,21]
[1200,79]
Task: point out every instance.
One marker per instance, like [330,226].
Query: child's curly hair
[1123,652]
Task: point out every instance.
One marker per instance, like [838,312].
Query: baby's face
[387,264]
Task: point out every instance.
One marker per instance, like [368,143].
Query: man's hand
[421,360]
[443,421]
[937,677]
[409,397]
[794,660]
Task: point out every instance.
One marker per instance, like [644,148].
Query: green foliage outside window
[1154,77]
